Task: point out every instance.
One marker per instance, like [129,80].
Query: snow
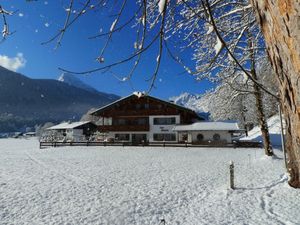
[191,101]
[112,27]
[136,185]
[139,94]
[237,10]
[210,29]
[67,125]
[274,131]
[161,5]
[218,46]
[208,126]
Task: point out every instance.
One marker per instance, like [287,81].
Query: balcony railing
[107,128]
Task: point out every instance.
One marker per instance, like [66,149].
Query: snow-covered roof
[200,126]
[67,125]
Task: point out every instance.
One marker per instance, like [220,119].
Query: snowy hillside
[142,185]
[274,130]
[190,101]
[72,80]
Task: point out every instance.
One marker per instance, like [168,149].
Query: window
[216,137]
[164,121]
[170,137]
[122,137]
[158,137]
[120,122]
[200,137]
[164,137]
[142,121]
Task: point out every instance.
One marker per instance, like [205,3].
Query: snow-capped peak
[72,80]
[190,101]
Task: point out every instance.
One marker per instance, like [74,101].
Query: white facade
[162,128]
[207,132]
[225,136]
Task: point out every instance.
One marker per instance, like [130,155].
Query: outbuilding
[76,131]
[208,132]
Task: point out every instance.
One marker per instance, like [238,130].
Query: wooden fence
[237,144]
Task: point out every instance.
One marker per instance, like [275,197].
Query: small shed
[30,134]
[208,132]
[76,131]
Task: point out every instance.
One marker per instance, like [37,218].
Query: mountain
[198,103]
[72,80]
[25,102]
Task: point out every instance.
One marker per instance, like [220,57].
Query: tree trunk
[280,23]
[262,120]
[258,102]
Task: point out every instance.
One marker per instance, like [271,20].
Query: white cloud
[13,63]
[21,14]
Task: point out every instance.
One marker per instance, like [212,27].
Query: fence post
[231,171]
[162,222]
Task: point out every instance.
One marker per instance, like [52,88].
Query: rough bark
[280,23]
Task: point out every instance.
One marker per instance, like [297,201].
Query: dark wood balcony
[139,112]
[108,128]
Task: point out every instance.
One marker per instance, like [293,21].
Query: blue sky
[37,22]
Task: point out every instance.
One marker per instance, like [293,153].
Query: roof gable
[139,95]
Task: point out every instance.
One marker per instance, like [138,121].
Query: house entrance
[139,138]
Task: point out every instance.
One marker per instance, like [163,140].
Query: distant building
[30,134]
[76,131]
[142,118]
[208,132]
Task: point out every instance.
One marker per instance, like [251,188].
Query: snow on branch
[5,30]
[161,6]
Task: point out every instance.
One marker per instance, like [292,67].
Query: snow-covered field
[136,185]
